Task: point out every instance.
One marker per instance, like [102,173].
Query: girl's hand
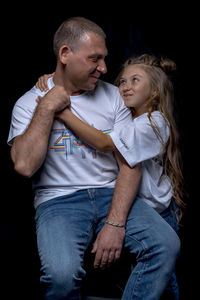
[42,82]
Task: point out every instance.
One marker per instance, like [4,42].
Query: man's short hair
[72,30]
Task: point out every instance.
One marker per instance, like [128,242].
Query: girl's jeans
[170,217]
[67,225]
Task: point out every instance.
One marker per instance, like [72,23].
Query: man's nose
[102,67]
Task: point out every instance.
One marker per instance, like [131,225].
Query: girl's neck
[137,113]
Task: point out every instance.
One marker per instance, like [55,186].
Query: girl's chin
[128,104]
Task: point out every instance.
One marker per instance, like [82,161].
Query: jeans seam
[134,289]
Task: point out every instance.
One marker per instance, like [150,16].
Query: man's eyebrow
[97,55]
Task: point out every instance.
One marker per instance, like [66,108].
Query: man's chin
[92,86]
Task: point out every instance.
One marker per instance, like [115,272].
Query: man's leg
[64,229]
[156,247]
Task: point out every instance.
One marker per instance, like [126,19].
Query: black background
[26,46]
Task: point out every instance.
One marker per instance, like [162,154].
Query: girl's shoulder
[156,117]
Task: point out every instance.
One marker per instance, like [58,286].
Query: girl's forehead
[133,70]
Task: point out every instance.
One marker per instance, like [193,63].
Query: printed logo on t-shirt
[68,143]
[122,141]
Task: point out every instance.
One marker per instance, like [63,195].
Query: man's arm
[109,242]
[29,149]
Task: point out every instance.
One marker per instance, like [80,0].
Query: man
[73,184]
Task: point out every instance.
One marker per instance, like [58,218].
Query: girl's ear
[64,54]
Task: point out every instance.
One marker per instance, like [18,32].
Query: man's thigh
[64,227]
[145,228]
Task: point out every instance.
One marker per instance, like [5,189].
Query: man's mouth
[94,77]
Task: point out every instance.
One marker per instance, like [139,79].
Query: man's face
[86,64]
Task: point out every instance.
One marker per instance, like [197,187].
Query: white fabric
[138,143]
[71,165]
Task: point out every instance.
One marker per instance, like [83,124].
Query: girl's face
[134,88]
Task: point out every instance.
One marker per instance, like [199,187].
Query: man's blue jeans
[67,225]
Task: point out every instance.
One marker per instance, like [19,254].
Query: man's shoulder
[28,99]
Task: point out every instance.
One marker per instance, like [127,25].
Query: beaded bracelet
[114,224]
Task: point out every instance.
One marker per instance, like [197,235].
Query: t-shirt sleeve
[23,112]
[21,117]
[123,115]
[138,142]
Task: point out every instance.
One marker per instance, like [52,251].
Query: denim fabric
[67,225]
[169,215]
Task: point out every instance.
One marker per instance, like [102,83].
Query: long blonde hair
[162,99]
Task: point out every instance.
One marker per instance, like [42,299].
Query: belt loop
[91,193]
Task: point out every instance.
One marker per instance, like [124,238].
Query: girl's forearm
[94,137]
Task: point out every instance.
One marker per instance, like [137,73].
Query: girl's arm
[94,137]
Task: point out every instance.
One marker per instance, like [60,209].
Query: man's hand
[56,99]
[108,246]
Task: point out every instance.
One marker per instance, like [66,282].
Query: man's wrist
[115,224]
[46,107]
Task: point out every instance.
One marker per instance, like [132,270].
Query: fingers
[105,258]
[38,99]
[42,82]
[94,249]
[97,261]
[108,246]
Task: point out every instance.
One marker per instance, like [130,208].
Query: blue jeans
[67,225]
[169,215]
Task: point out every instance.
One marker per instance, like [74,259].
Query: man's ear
[64,54]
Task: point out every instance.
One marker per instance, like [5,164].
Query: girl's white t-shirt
[70,164]
[138,143]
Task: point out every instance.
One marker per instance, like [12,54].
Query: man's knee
[64,281]
[151,238]
[168,247]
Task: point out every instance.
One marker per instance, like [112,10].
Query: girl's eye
[135,79]
[122,81]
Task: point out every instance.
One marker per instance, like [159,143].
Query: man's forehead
[91,36]
[93,41]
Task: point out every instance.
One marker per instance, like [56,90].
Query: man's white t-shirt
[138,143]
[70,164]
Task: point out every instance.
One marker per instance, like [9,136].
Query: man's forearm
[109,242]
[29,149]
[125,192]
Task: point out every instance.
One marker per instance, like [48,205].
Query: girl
[152,138]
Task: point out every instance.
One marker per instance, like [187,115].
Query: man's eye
[94,59]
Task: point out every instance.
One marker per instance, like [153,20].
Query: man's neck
[59,80]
